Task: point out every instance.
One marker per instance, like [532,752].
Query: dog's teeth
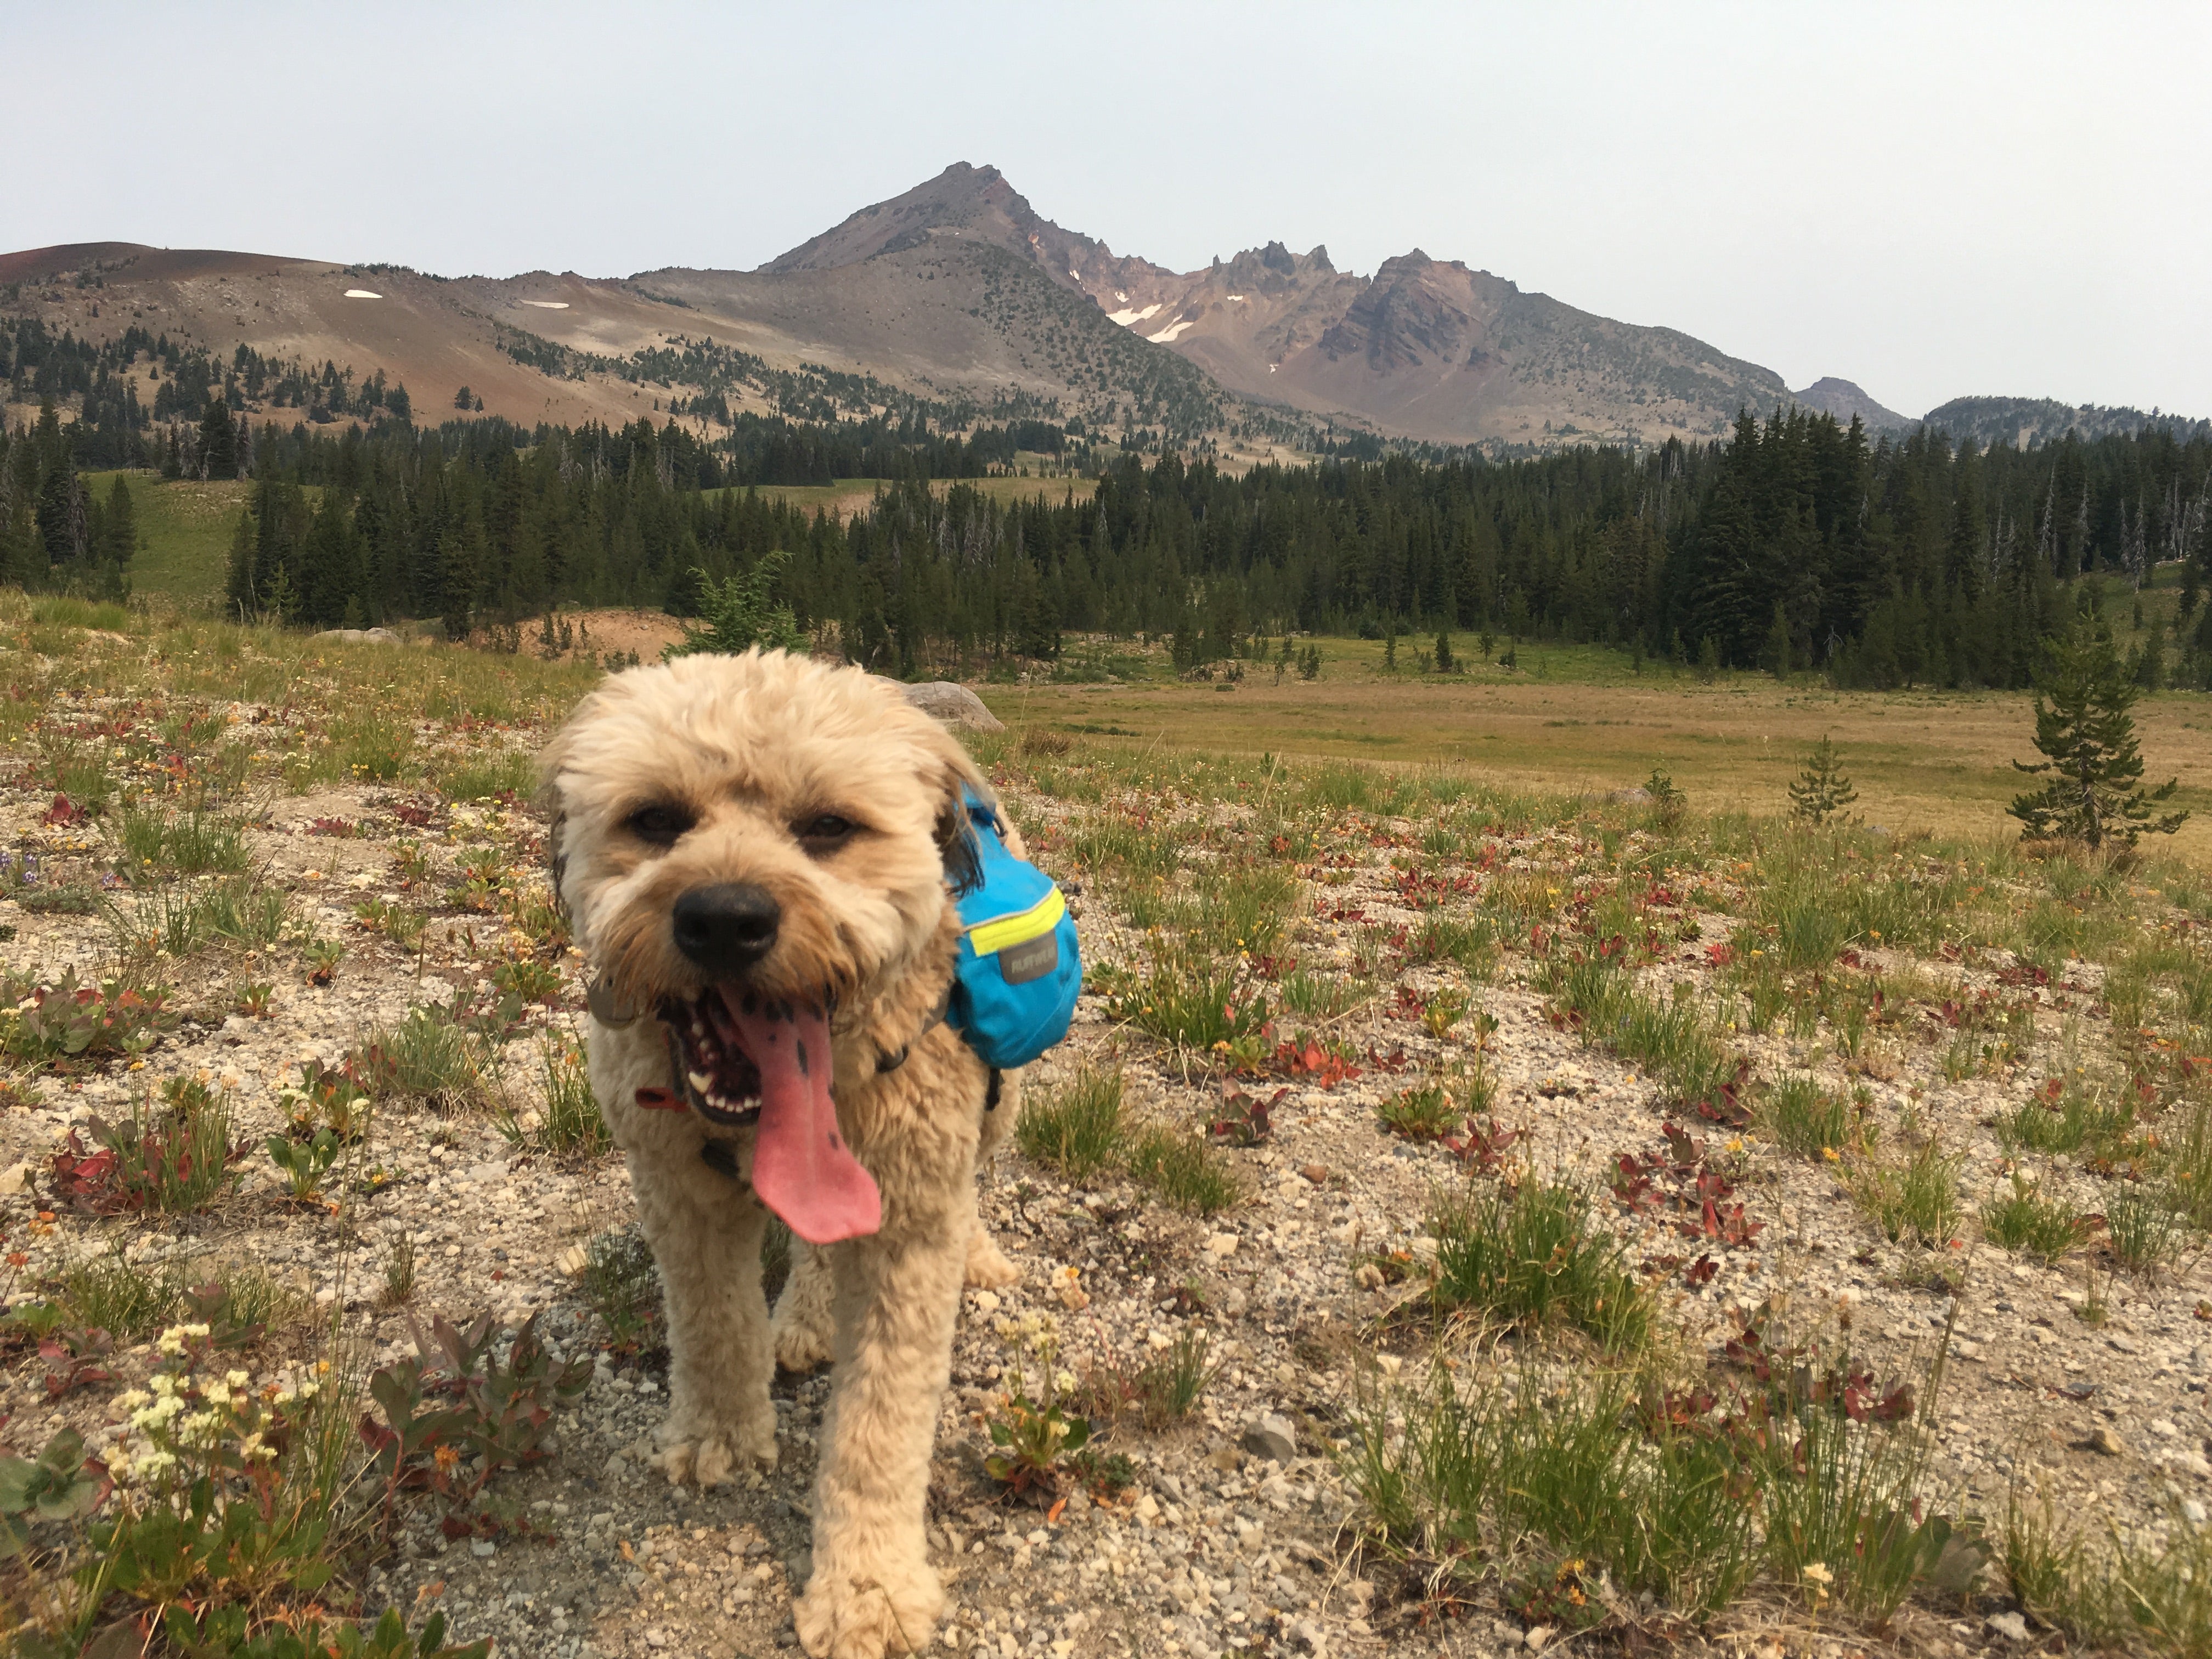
[701,1081]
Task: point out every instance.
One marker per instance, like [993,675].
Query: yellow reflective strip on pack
[1040,919]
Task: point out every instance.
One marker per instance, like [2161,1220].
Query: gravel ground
[1230,1533]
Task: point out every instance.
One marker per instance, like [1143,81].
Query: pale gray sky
[1932,200]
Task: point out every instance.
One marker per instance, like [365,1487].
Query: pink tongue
[802,1168]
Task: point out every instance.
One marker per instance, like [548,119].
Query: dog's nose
[727,928]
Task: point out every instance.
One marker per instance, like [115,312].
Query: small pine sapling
[1822,789]
[2088,738]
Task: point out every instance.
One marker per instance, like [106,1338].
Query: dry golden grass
[850,495]
[1934,759]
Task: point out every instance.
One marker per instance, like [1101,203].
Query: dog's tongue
[802,1168]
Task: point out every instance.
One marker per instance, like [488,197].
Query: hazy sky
[1930,200]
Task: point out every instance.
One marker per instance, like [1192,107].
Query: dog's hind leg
[873,1590]
[987,1268]
[705,1231]
[805,1325]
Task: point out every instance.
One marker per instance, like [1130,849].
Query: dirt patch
[612,636]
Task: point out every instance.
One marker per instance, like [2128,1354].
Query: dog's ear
[958,778]
[955,840]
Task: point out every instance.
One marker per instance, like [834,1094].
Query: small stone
[2163,1429]
[1271,1436]
[1539,1637]
[572,1260]
[2010,1625]
[2103,1441]
[1315,1173]
[986,1302]
[1228,1460]
[484,1549]
[1223,1245]
[1147,1509]
[656,1638]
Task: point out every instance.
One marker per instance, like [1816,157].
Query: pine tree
[218,441]
[1445,658]
[1390,650]
[239,589]
[119,524]
[1822,789]
[1776,657]
[741,612]
[2087,737]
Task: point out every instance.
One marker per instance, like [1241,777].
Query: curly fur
[748,747]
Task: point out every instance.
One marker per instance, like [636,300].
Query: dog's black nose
[726,929]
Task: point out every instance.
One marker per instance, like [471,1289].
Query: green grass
[1182,1170]
[424,1057]
[1080,1130]
[1805,1119]
[184,528]
[154,844]
[1916,1201]
[511,772]
[2146,1229]
[1075,1128]
[129,1303]
[2022,1221]
[1536,1256]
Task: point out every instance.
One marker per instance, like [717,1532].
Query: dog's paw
[801,1343]
[710,1457]
[866,1615]
[988,1267]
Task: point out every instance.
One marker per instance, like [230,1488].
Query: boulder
[949,703]
[359,635]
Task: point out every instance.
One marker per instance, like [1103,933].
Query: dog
[759,855]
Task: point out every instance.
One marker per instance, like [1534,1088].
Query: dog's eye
[659,824]
[825,832]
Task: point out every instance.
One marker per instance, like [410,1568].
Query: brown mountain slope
[433,336]
[1425,349]
[957,291]
[1844,398]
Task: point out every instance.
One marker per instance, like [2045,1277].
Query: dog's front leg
[873,1590]
[705,1231]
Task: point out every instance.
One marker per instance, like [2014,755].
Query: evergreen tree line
[1795,545]
[55,531]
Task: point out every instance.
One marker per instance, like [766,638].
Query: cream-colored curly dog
[758,855]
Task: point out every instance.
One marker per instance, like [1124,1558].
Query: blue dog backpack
[1014,989]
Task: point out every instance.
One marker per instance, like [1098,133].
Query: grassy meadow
[1939,760]
[847,496]
[186,527]
[1641,1165]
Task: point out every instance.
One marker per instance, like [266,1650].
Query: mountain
[432,335]
[1845,399]
[2020,422]
[959,301]
[1424,348]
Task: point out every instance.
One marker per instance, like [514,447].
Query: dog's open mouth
[745,1059]
[719,1078]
